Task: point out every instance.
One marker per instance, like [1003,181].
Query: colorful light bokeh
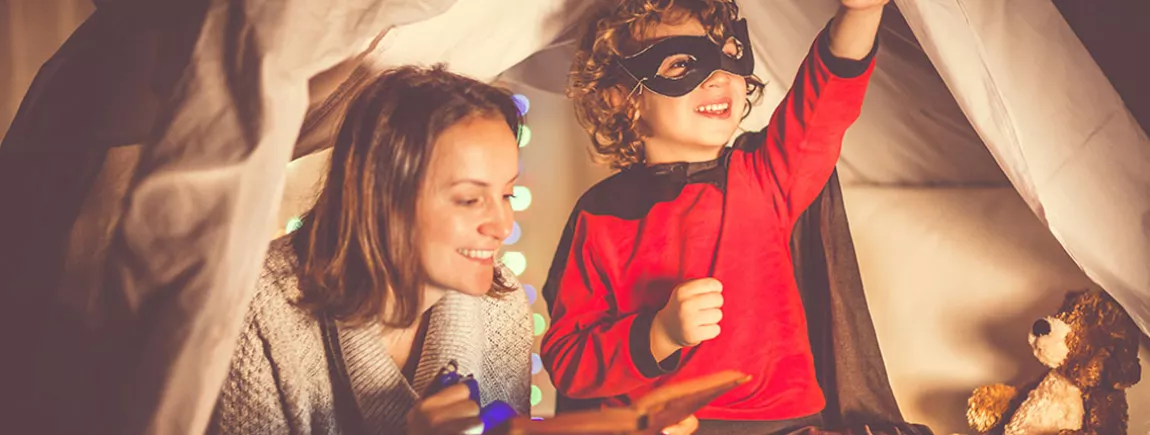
[522,103]
[515,234]
[521,199]
[515,261]
[293,224]
[524,135]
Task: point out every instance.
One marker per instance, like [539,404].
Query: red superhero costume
[637,234]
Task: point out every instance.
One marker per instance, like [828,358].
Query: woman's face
[463,212]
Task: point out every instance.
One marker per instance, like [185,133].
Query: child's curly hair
[601,89]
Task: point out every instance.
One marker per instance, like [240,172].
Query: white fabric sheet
[910,131]
[1057,128]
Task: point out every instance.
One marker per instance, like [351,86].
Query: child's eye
[508,197]
[676,66]
[467,202]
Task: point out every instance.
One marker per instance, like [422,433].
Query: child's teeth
[713,107]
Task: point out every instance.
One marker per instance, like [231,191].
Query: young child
[678,266]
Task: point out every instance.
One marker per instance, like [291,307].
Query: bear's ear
[1071,299]
[1123,369]
[1086,371]
[1077,302]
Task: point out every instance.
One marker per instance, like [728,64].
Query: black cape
[848,361]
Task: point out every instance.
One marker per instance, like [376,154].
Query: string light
[524,135]
[515,261]
[293,224]
[521,103]
[540,324]
[536,395]
[521,198]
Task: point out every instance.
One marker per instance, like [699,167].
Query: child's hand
[691,316]
[853,30]
[863,4]
[449,412]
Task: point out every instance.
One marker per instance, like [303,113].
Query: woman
[393,274]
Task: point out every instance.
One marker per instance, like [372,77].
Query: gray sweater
[281,375]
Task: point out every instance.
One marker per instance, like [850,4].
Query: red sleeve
[804,137]
[592,350]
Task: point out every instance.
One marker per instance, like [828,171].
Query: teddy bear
[1091,348]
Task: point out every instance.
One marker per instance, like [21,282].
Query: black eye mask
[695,58]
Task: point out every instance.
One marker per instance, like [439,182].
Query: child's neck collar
[687,168]
[700,155]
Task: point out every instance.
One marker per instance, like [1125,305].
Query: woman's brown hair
[602,91]
[357,246]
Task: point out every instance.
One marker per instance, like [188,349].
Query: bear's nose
[1040,328]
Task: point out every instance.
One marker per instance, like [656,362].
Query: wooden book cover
[663,407]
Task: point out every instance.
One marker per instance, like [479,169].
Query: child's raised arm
[802,143]
[854,28]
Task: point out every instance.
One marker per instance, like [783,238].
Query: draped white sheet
[1057,128]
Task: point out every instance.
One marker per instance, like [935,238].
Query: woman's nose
[499,224]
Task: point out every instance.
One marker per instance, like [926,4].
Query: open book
[662,407]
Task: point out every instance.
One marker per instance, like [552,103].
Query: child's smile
[719,109]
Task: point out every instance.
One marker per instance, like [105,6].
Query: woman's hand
[450,412]
[686,427]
